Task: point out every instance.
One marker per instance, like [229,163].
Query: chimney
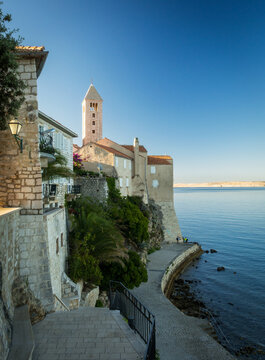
[136,156]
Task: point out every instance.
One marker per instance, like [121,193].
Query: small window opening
[61,239]
[93,115]
[93,122]
[57,246]
[93,131]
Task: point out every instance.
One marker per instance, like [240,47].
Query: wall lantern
[15,127]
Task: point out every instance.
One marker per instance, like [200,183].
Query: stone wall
[34,260]
[20,173]
[170,222]
[55,229]
[94,187]
[9,261]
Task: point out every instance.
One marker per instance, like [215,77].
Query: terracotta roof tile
[131,148]
[113,151]
[159,160]
[30,48]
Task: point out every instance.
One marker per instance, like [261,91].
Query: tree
[57,168]
[11,86]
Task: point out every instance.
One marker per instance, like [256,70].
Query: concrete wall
[9,262]
[123,167]
[20,173]
[164,176]
[55,224]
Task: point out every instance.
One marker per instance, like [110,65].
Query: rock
[22,295]
[205,261]
[230,304]
[234,272]
[221,268]
[206,251]
[212,251]
[90,297]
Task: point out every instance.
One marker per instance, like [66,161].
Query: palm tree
[57,168]
[93,231]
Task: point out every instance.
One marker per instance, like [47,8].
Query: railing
[49,190]
[46,143]
[139,317]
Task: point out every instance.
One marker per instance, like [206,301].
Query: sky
[185,77]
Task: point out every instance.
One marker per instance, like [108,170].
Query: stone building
[140,174]
[33,246]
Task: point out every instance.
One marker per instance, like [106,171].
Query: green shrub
[84,267]
[131,275]
[127,214]
[153,249]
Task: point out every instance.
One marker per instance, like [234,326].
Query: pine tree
[11,87]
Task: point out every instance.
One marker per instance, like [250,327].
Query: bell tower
[92,116]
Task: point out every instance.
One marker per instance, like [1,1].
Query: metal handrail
[139,317]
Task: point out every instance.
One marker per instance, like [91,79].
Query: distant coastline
[224,184]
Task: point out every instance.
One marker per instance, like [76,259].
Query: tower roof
[92,93]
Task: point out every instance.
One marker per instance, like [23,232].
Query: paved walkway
[87,333]
[178,336]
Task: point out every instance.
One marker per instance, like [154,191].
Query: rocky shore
[186,299]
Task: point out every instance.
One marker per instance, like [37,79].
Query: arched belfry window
[93,106]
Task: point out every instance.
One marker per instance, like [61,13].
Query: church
[138,174]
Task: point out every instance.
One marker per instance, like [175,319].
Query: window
[116,161]
[93,115]
[130,165]
[120,182]
[93,131]
[61,239]
[153,169]
[127,182]
[93,107]
[57,246]
[124,163]
[155,183]
[93,122]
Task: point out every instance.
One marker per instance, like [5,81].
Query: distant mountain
[224,184]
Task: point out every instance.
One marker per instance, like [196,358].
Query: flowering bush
[77,161]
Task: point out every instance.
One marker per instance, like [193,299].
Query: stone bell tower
[92,116]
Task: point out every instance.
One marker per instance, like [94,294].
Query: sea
[232,222]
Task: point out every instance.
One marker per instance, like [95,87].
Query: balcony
[46,148]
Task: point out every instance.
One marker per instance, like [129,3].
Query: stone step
[85,333]
[22,338]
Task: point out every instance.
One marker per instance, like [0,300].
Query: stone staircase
[70,293]
[86,333]
[170,222]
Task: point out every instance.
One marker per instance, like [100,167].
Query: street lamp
[15,127]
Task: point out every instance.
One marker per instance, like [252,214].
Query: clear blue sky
[185,76]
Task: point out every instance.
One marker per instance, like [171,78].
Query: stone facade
[9,270]
[94,187]
[20,173]
[92,116]
[34,258]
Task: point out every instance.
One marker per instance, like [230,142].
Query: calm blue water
[232,221]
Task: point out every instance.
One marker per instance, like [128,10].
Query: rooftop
[131,148]
[92,94]
[37,52]
[56,123]
[113,151]
[159,160]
